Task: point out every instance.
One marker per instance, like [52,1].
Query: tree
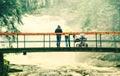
[29,5]
[10,13]
[47,3]
[116,16]
[115,19]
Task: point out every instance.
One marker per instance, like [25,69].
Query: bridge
[46,42]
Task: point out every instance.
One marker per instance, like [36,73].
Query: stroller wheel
[80,45]
[77,45]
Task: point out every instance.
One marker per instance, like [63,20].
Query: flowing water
[54,63]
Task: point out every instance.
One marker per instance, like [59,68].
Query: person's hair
[58,26]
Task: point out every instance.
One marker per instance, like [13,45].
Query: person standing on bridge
[58,36]
[67,37]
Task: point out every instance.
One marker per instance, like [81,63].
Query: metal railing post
[100,41]
[24,42]
[44,40]
[49,41]
[24,53]
[9,43]
[74,42]
[17,40]
[115,45]
[96,41]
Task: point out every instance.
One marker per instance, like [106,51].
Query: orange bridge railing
[94,39]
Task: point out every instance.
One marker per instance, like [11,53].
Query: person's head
[58,26]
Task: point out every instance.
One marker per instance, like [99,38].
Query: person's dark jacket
[58,30]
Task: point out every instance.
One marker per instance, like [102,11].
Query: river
[58,64]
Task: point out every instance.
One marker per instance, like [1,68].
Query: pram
[81,41]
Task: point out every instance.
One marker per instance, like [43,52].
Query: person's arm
[55,30]
[61,31]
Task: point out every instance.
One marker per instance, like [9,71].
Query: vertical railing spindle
[49,41]
[100,41]
[24,53]
[44,40]
[17,40]
[24,42]
[96,41]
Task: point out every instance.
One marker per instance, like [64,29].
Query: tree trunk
[47,3]
[1,65]
[3,69]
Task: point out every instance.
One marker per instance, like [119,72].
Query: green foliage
[116,4]
[115,18]
[85,14]
[10,12]
[82,13]
[28,6]
[86,23]
[6,64]
[10,15]
[6,68]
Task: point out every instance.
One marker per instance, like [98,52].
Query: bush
[6,67]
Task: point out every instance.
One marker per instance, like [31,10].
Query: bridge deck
[62,49]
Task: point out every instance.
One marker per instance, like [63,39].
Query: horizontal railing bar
[103,40]
[62,41]
[28,41]
[6,33]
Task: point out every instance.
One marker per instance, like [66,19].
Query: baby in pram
[80,41]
